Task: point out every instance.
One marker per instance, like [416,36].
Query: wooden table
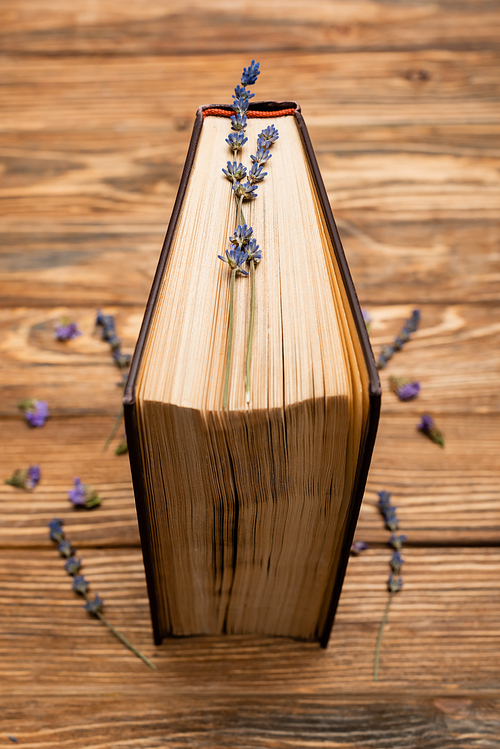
[402,102]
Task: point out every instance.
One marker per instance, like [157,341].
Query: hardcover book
[247,503]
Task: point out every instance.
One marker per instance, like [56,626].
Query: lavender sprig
[66,330]
[394,581]
[81,586]
[107,323]
[428,427]
[405,388]
[25,478]
[410,326]
[83,495]
[236,173]
[35,412]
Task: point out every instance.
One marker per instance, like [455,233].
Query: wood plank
[179,28]
[442,630]
[448,497]
[334,89]
[264,721]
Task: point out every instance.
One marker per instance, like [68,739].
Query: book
[247,511]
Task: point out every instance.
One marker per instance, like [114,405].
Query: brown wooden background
[402,101]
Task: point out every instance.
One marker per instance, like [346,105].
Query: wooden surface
[402,102]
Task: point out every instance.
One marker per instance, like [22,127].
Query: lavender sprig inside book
[394,581]
[244,247]
[410,326]
[80,585]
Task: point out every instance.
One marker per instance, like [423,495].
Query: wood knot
[416,74]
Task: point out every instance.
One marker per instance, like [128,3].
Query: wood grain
[446,615]
[402,102]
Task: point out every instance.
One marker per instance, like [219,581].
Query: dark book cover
[261,110]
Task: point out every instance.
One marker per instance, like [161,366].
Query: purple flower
[82,495]
[268,136]
[240,92]
[235,259]
[384,500]
[249,75]
[25,478]
[358,547]
[65,549]
[427,427]
[408,328]
[67,331]
[261,157]
[394,583]
[245,190]
[397,541]
[56,532]
[241,235]
[94,606]
[235,172]
[397,561]
[36,412]
[33,477]
[72,566]
[238,122]
[80,585]
[236,141]
[253,252]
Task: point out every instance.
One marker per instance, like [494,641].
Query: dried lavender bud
[67,331]
[72,566]
[397,541]
[253,252]
[240,92]
[358,547]
[36,412]
[94,606]
[25,478]
[261,157]
[56,532]
[235,172]
[83,495]
[238,122]
[396,562]
[255,174]
[406,389]
[80,585]
[249,75]
[244,190]
[394,584]
[236,141]
[427,427]
[241,236]
[65,549]
[268,136]
[235,259]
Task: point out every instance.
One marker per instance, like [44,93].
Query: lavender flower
[406,389]
[65,549]
[66,330]
[396,562]
[246,190]
[72,566]
[249,75]
[235,259]
[235,172]
[94,606]
[253,252]
[358,547]
[241,236]
[255,174]
[240,106]
[236,141]
[83,495]
[80,585]
[261,157]
[122,360]
[238,122]
[25,478]
[36,412]
[268,136]
[56,532]
[394,584]
[408,328]
[240,92]
[427,427]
